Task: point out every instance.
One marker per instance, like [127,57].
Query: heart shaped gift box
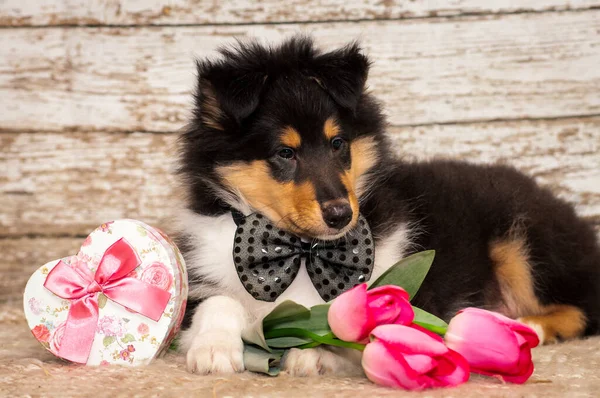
[120,300]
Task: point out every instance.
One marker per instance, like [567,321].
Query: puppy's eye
[337,143]
[286,153]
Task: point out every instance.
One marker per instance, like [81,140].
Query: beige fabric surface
[566,370]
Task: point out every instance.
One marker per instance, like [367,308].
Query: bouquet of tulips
[403,346]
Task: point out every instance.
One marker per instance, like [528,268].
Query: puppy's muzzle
[336,213]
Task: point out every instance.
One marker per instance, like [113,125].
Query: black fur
[460,208]
[456,208]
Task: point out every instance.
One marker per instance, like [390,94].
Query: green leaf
[174,346]
[108,340]
[128,338]
[102,299]
[328,339]
[314,321]
[253,334]
[287,342]
[288,310]
[408,273]
[261,361]
[430,321]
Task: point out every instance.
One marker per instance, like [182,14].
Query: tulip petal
[517,379]
[427,332]
[482,340]
[453,369]
[349,317]
[522,378]
[518,327]
[401,356]
[389,304]
[409,340]
[513,324]
[390,289]
[523,371]
[387,370]
[420,363]
[517,375]
[482,337]
[407,314]
[528,333]
[445,366]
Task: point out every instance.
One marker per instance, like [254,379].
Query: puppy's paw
[559,323]
[538,328]
[320,361]
[216,352]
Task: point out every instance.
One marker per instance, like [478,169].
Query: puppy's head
[288,132]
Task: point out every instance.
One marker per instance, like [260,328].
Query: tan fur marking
[293,207]
[514,276]
[211,113]
[291,137]
[331,128]
[364,156]
[513,271]
[560,322]
[349,184]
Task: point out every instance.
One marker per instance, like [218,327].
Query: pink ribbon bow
[82,287]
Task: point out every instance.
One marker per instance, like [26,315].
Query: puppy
[286,141]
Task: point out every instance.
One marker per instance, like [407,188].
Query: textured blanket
[565,370]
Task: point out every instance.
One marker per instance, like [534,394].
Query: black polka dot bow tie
[267,259]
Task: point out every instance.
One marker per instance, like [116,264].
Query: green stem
[435,329]
[309,345]
[302,333]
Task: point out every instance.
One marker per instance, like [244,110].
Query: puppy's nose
[336,213]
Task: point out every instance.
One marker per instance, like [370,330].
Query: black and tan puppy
[291,134]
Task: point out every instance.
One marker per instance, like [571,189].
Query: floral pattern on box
[122,336]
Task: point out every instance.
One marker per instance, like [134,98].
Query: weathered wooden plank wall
[426,71]
[93,92]
[194,12]
[68,183]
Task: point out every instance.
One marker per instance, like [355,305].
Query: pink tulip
[403,356]
[355,313]
[493,344]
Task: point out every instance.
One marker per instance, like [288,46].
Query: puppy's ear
[343,74]
[227,93]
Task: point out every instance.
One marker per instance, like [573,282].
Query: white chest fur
[211,261]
